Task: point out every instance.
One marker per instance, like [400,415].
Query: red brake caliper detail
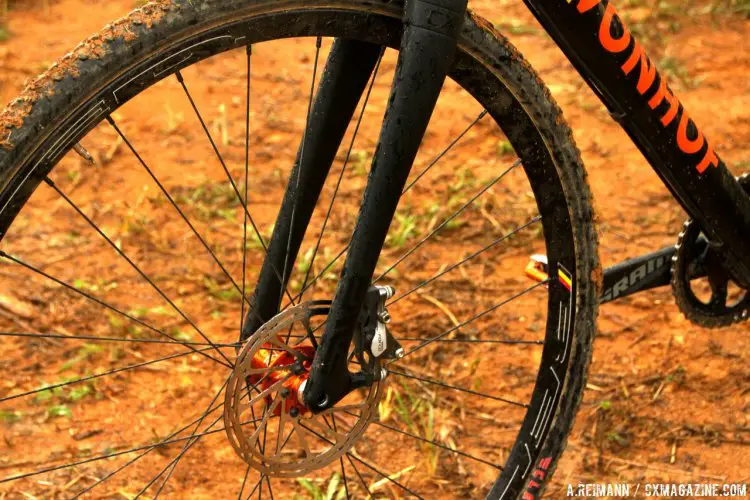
[285,363]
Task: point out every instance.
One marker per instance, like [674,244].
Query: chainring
[264,416]
[688,262]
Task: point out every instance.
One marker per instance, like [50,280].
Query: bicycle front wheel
[127,281]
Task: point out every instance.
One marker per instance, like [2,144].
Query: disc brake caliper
[373,341]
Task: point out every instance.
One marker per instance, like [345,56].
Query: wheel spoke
[467,259]
[343,475]
[244,482]
[446,221]
[268,411]
[255,488]
[369,466]
[284,346]
[288,438]
[148,450]
[112,308]
[474,318]
[192,439]
[91,338]
[445,151]
[475,341]
[439,445]
[270,489]
[280,430]
[258,371]
[189,444]
[383,475]
[301,437]
[133,265]
[248,52]
[457,388]
[116,454]
[359,475]
[100,375]
[172,202]
[447,341]
[341,460]
[345,408]
[265,392]
[318,276]
[326,429]
[341,174]
[181,80]
[295,174]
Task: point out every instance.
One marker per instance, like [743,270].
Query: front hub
[277,365]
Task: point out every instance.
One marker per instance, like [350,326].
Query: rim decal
[564,277]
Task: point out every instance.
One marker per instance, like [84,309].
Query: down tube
[595,39]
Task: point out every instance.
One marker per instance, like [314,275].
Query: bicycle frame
[611,61]
[615,65]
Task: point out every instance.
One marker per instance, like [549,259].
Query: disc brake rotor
[265,417]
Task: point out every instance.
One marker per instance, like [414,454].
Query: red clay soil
[666,401]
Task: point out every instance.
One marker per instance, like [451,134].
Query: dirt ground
[666,401]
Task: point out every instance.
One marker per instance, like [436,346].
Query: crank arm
[641,273]
[428,46]
[342,84]
[645,272]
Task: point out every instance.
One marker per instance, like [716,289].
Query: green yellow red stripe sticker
[565,279]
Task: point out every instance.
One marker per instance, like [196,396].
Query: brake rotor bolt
[294,412]
[284,392]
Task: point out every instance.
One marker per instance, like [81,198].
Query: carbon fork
[428,46]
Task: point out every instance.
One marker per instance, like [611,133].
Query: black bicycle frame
[616,67]
[607,56]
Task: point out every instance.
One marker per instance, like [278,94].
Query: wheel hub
[283,367]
